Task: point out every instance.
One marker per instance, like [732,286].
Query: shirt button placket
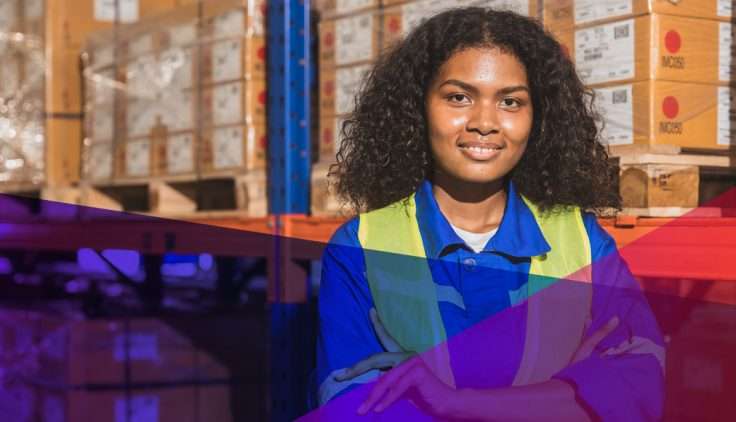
[469,264]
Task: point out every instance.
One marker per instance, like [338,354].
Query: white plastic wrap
[149,84]
[22,132]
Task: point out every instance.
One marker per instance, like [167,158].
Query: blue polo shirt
[471,288]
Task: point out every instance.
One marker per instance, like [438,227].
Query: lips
[480,151]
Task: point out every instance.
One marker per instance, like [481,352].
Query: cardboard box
[237,147]
[668,113]
[234,103]
[223,19]
[338,88]
[175,111]
[653,46]
[67,26]
[234,59]
[562,15]
[133,158]
[336,8]
[657,185]
[324,200]
[179,154]
[98,162]
[399,20]
[349,40]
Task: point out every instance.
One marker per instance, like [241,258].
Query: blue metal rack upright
[289,125]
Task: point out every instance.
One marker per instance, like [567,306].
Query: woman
[473,156]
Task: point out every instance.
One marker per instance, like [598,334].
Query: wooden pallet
[183,198]
[667,181]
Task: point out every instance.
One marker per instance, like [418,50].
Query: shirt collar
[518,235]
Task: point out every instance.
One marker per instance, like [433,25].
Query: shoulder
[346,234]
[344,250]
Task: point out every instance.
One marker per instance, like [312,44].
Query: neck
[474,207]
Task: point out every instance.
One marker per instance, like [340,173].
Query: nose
[484,119]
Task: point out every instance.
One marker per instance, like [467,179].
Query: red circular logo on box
[263,142]
[327,137]
[394,25]
[262,53]
[670,107]
[329,87]
[329,39]
[672,41]
[262,97]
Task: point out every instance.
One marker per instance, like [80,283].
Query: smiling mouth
[479,152]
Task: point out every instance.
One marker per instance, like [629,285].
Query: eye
[458,98]
[511,103]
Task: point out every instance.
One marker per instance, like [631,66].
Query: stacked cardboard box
[190,94]
[40,91]
[661,70]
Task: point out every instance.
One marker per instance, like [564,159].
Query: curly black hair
[385,155]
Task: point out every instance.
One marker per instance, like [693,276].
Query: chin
[479,178]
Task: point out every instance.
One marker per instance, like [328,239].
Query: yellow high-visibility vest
[405,296]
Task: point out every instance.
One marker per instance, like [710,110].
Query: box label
[726,117]
[180,154]
[231,24]
[139,408]
[605,53]
[725,48]
[725,8]
[111,10]
[346,6]
[137,159]
[227,145]
[99,161]
[177,111]
[592,10]
[616,108]
[227,60]
[227,104]
[414,14]
[102,117]
[354,39]
[183,34]
[347,83]
[8,15]
[32,9]
[519,6]
[141,45]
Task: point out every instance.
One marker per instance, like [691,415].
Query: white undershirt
[476,241]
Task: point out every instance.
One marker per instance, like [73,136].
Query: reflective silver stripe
[451,295]
[331,387]
[639,345]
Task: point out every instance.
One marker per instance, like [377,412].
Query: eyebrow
[471,88]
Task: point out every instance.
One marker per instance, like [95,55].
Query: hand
[586,347]
[392,357]
[415,380]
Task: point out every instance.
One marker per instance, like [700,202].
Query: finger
[384,383]
[398,389]
[384,337]
[377,361]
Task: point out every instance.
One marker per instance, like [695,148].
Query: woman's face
[479,114]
